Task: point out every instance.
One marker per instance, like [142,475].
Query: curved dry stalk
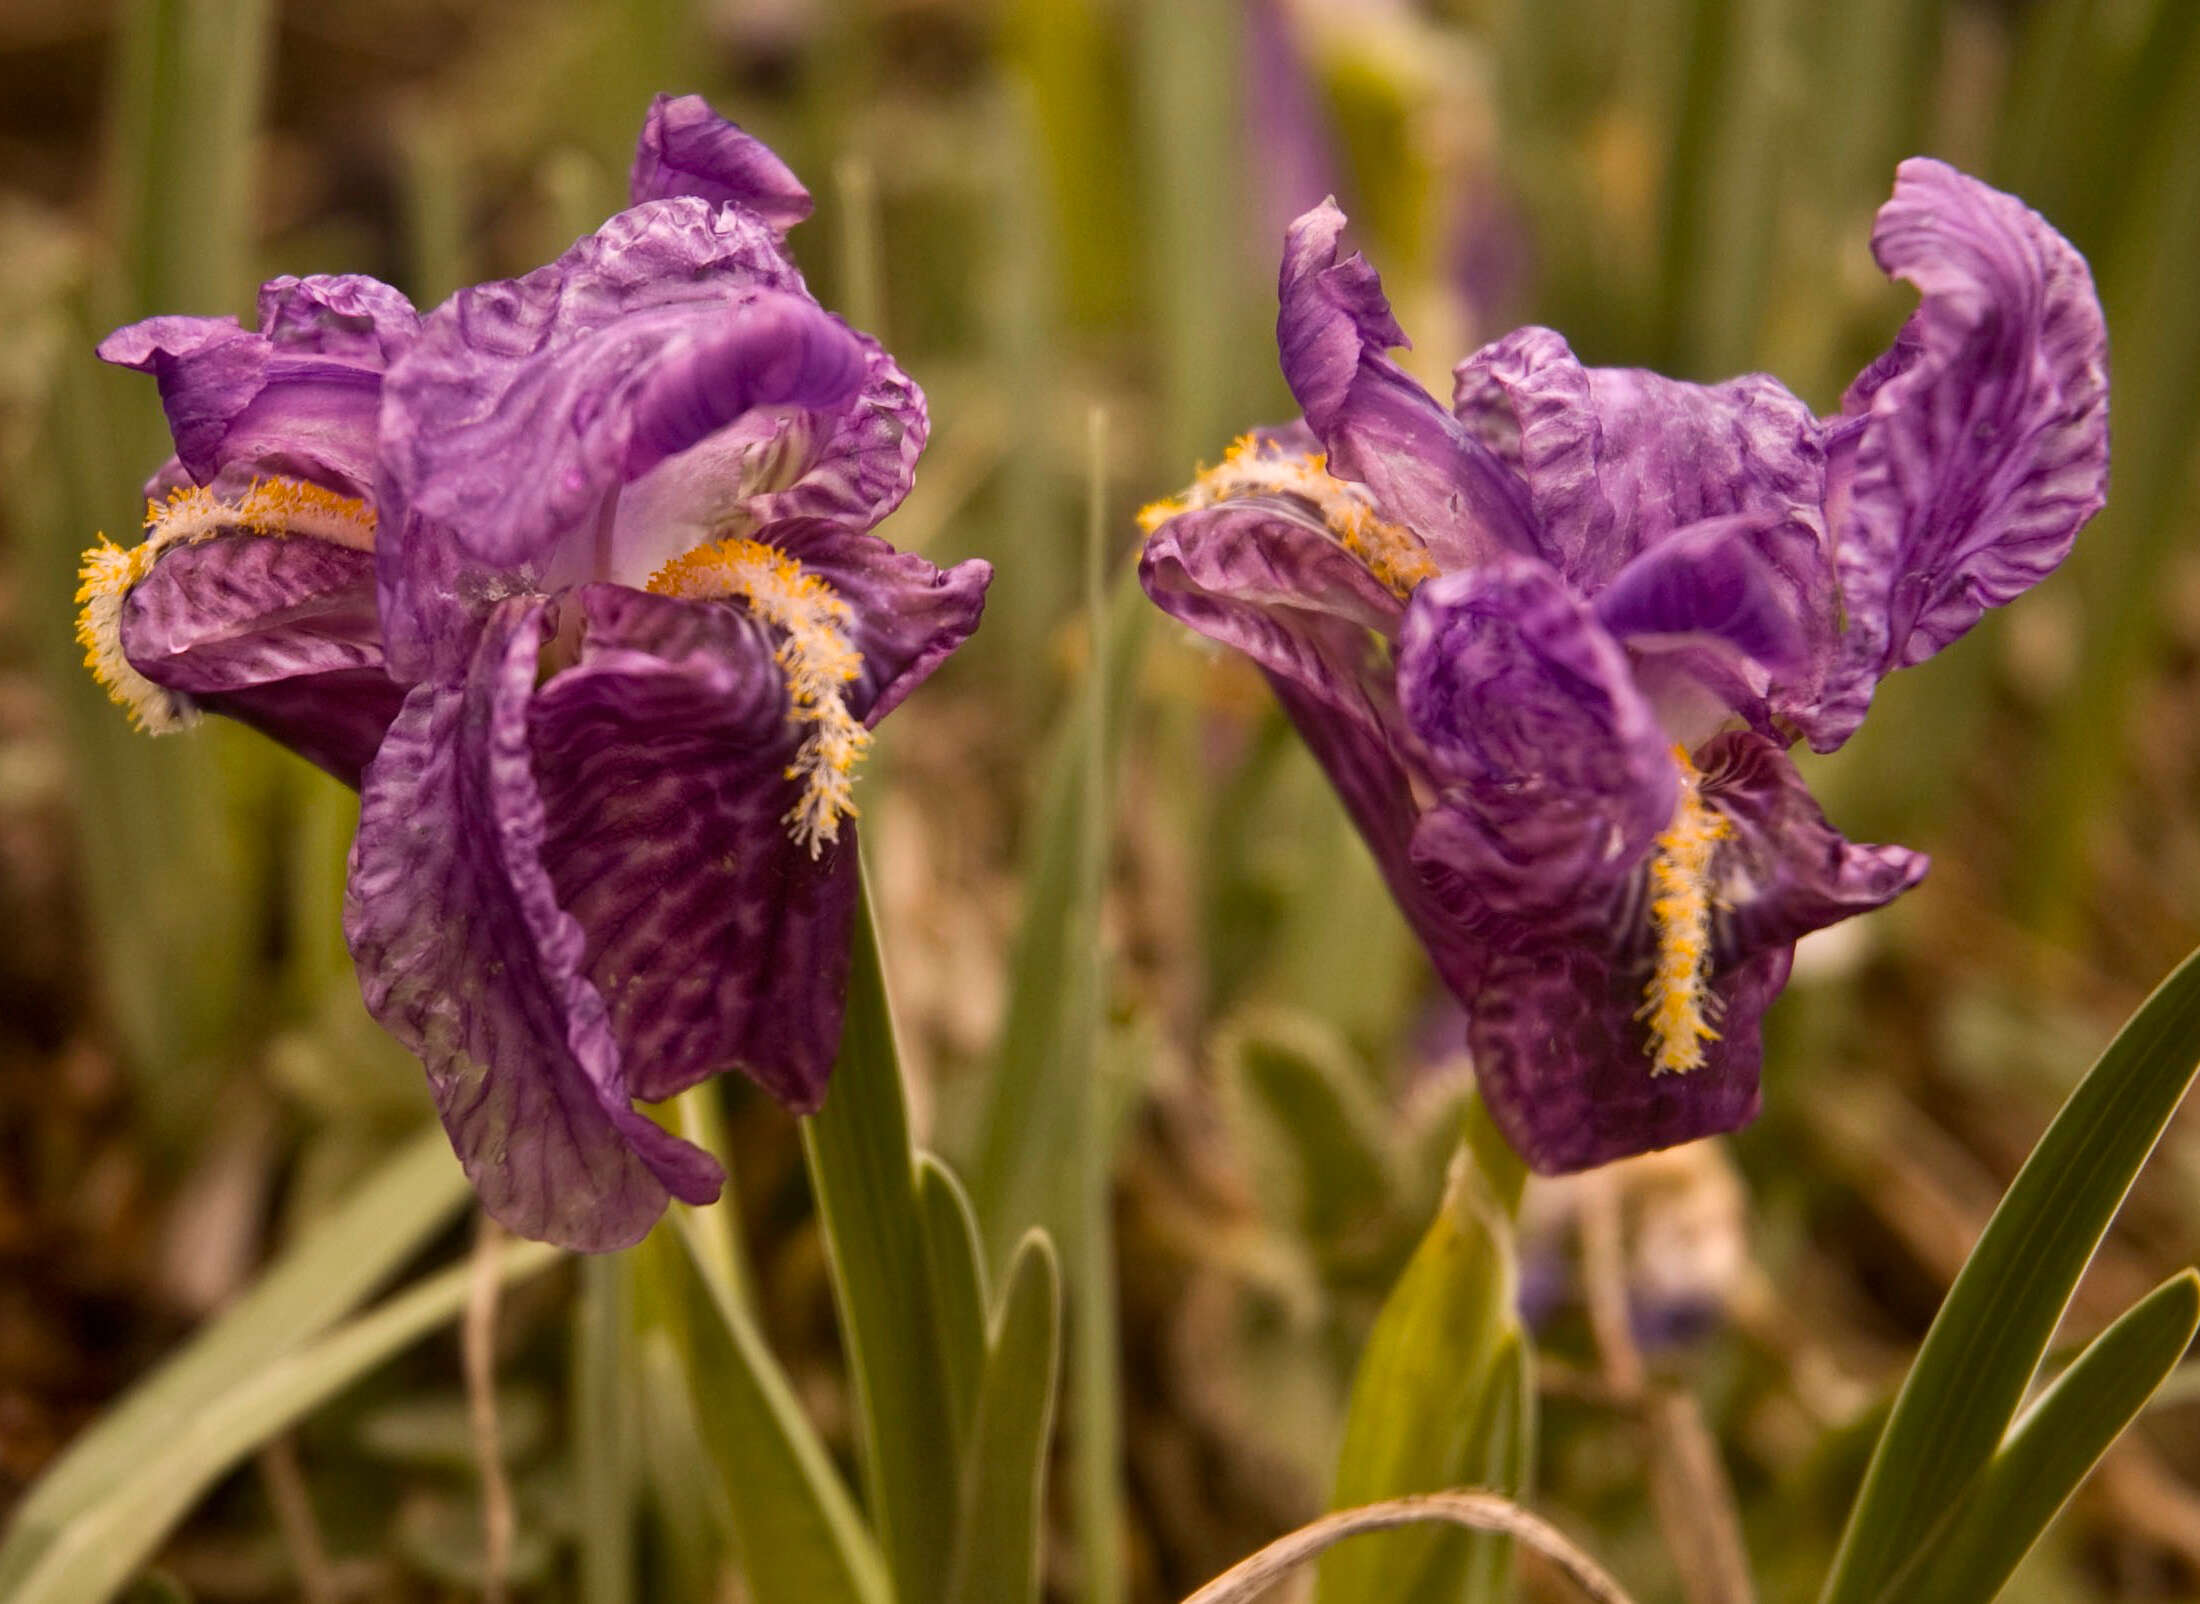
[1483,1512]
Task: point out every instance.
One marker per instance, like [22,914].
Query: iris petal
[465,956]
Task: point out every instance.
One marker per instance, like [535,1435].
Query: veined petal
[906,614]
[275,632]
[1378,425]
[715,940]
[1616,459]
[512,428]
[688,149]
[1783,871]
[525,403]
[1970,454]
[1266,577]
[465,956]
[849,467]
[298,399]
[1559,1057]
[1525,705]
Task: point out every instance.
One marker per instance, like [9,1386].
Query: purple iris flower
[1552,644]
[609,550]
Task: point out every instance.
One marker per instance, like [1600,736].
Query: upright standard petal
[1969,455]
[1617,459]
[465,956]
[298,399]
[1379,426]
[512,428]
[688,149]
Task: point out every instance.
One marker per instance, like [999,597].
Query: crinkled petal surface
[849,468]
[1970,454]
[688,149]
[714,940]
[1378,425]
[1785,871]
[298,399]
[276,632]
[528,406]
[1558,1056]
[1616,459]
[907,614]
[465,956]
[1534,733]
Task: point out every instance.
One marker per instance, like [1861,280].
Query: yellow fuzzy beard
[1677,1005]
[109,572]
[1256,467]
[815,655]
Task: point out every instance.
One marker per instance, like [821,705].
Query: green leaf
[1504,1429]
[864,1173]
[90,1553]
[2051,1451]
[954,1269]
[604,1458]
[1986,1344]
[331,1270]
[1440,1398]
[1004,1476]
[800,1538]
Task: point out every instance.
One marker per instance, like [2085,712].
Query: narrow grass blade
[2052,1450]
[1438,1399]
[1992,1331]
[604,1468]
[797,1531]
[863,1171]
[90,1554]
[954,1270]
[1004,1475]
[331,1270]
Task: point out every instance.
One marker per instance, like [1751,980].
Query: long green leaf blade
[955,1274]
[1987,1342]
[2053,1448]
[95,1550]
[1437,1399]
[864,1173]
[1004,1476]
[331,1270]
[798,1533]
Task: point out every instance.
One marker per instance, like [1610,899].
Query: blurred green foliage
[1059,205]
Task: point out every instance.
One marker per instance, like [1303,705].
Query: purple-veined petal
[849,467]
[688,149]
[1265,577]
[465,956]
[715,941]
[347,317]
[908,613]
[1785,871]
[1521,701]
[1708,580]
[276,632]
[1970,454]
[1379,426]
[298,399]
[1559,1056]
[526,401]
[1616,459]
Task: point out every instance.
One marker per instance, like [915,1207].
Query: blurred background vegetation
[1048,207]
